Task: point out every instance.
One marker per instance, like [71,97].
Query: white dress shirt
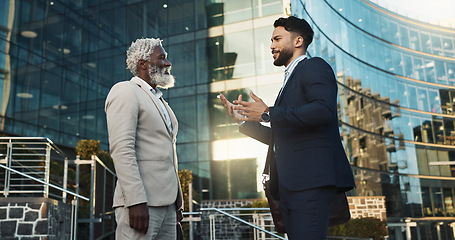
[290,68]
[158,94]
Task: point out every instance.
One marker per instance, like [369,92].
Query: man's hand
[230,108]
[252,111]
[139,217]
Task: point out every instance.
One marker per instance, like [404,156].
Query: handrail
[243,221]
[43,150]
[104,165]
[43,182]
[49,141]
[223,211]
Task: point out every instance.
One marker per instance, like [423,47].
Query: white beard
[159,77]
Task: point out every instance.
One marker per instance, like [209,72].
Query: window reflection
[182,58]
[380,136]
[436,45]
[223,127]
[185,110]
[404,37]
[403,34]
[414,40]
[234,176]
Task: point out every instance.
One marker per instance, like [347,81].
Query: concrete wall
[34,219]
[226,228]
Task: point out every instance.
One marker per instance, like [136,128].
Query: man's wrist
[265,117]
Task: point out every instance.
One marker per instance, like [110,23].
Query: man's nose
[167,63]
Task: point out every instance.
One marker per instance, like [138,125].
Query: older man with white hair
[142,133]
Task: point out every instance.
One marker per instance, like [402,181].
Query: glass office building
[396,81]
[59,58]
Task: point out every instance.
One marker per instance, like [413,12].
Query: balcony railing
[36,167]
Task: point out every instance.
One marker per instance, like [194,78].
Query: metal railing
[220,222]
[30,156]
[255,217]
[36,167]
[44,183]
[33,167]
[254,223]
[100,205]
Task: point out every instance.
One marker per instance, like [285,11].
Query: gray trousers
[162,224]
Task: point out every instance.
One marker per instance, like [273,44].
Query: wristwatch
[265,117]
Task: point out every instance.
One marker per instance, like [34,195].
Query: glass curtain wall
[59,58]
[396,82]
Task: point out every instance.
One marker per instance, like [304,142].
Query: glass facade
[59,58]
[396,75]
[396,95]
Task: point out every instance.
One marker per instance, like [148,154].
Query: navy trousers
[306,213]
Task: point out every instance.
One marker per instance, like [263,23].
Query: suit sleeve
[122,110]
[319,87]
[257,131]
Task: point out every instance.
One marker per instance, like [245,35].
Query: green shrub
[361,227]
[106,159]
[256,204]
[260,204]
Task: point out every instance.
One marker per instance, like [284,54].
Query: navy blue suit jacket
[304,130]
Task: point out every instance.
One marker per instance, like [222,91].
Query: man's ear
[298,41]
[142,64]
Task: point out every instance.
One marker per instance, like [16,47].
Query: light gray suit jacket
[142,147]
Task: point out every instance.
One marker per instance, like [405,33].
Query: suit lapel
[173,118]
[155,100]
[283,91]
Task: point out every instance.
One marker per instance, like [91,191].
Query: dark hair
[297,25]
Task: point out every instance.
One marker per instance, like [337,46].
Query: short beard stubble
[283,57]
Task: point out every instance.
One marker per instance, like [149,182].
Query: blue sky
[442,11]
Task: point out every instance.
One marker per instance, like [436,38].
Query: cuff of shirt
[241,123]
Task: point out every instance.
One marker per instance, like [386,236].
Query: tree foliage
[361,227]
[88,147]
[186,177]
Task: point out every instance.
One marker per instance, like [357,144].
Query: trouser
[306,213]
[162,224]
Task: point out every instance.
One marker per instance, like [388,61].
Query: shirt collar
[294,63]
[155,91]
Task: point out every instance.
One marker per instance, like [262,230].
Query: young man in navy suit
[308,165]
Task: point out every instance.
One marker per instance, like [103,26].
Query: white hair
[141,49]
